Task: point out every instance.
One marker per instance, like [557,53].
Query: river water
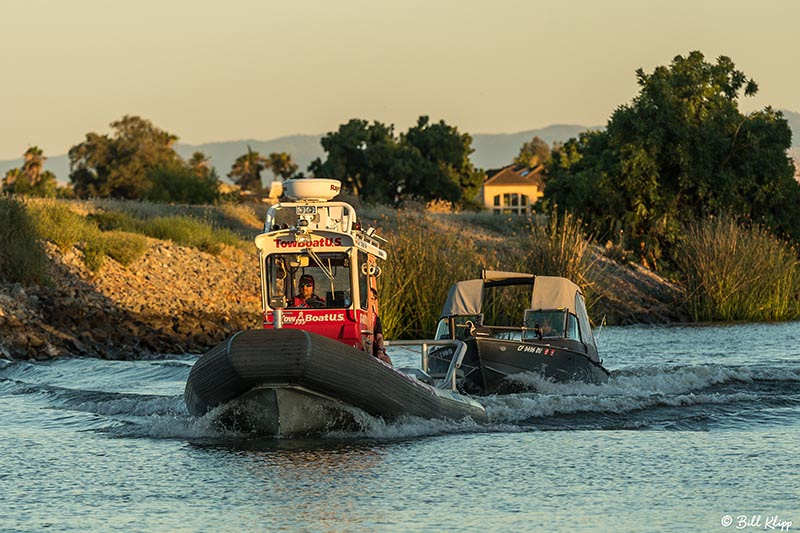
[698,427]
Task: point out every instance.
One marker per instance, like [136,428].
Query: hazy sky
[236,69]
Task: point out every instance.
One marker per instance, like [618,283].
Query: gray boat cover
[549,292]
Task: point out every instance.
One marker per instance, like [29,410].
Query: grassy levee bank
[136,262]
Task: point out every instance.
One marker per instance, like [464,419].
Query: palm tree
[32,166]
[199,163]
[246,170]
[282,165]
[11,177]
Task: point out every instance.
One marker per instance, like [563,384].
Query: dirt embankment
[627,294]
[177,300]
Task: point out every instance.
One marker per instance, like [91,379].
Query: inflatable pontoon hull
[290,381]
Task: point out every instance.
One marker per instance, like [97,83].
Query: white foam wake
[629,391]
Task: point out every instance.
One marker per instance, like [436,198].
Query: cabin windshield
[288,277]
[551,323]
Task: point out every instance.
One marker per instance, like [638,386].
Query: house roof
[516,175]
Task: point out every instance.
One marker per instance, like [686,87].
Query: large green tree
[193,183]
[430,161]
[680,150]
[447,172]
[119,165]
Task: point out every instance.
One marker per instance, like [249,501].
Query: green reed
[424,261]
[738,272]
[560,247]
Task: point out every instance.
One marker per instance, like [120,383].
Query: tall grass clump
[422,264]
[559,247]
[736,272]
[22,258]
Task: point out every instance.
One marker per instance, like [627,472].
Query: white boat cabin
[319,268]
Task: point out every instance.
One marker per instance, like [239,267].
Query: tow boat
[516,325]
[311,369]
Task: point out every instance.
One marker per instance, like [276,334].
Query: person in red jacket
[306,296]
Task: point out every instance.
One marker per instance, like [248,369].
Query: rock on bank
[171,300]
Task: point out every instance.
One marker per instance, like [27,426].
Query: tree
[679,151]
[430,161]
[30,179]
[534,152]
[246,170]
[118,166]
[176,182]
[448,172]
[200,165]
[281,165]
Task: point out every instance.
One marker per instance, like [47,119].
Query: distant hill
[303,148]
[492,150]
[794,123]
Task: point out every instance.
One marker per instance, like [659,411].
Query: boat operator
[378,348]
[306,297]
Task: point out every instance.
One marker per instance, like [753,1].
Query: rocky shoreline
[171,300]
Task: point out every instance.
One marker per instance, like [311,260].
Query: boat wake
[91,397]
[682,397]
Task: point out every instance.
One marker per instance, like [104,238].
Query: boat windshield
[289,275]
[551,323]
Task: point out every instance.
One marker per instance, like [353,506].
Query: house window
[512,204]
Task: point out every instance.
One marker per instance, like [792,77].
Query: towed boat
[315,365]
[517,325]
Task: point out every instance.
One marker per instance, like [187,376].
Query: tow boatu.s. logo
[304,318]
[316,243]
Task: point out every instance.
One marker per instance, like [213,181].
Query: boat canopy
[549,292]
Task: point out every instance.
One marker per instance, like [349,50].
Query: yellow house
[513,189]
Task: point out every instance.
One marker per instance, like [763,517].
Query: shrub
[123,247]
[115,220]
[735,272]
[187,231]
[57,223]
[22,258]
